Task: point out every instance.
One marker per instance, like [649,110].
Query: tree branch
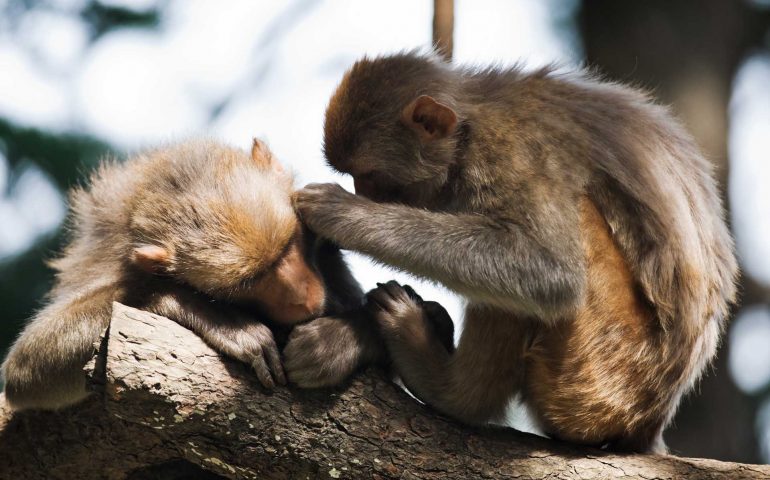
[170,407]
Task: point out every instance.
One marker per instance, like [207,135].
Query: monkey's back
[661,269]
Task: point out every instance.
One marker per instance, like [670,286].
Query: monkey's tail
[44,367]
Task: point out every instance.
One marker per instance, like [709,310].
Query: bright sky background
[272,65]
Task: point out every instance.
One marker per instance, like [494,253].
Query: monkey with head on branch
[198,232]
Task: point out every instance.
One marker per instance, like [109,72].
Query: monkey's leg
[475,383]
[44,368]
[226,329]
[326,351]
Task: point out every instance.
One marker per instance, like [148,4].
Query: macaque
[575,216]
[198,232]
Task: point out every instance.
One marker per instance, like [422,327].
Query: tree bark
[168,407]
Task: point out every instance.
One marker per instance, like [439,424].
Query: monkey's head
[221,221]
[391,124]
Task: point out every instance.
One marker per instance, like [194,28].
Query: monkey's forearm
[226,329]
[488,262]
[326,351]
[193,310]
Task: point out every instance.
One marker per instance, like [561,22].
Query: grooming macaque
[198,232]
[576,217]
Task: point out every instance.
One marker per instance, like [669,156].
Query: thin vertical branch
[443,27]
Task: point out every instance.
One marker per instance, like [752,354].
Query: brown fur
[567,358]
[199,232]
[576,217]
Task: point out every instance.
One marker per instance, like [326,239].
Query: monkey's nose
[310,307]
[298,313]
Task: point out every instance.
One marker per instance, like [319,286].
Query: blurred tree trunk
[443,27]
[688,52]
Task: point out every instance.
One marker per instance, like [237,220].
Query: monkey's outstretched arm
[44,367]
[227,329]
[490,262]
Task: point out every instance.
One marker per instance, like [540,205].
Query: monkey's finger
[412,294]
[263,373]
[396,290]
[274,362]
[378,299]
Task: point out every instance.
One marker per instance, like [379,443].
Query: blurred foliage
[100,18]
[65,157]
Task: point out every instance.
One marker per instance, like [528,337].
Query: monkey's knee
[43,395]
[28,387]
[643,441]
[476,403]
[610,435]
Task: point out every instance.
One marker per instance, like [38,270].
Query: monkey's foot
[323,353]
[406,320]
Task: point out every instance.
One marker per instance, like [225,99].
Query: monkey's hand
[326,351]
[406,320]
[321,205]
[251,343]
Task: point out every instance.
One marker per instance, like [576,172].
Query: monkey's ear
[151,258]
[430,119]
[262,156]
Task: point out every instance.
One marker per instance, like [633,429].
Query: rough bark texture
[170,407]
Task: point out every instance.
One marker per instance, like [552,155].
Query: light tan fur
[197,231]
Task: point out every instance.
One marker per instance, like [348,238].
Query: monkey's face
[256,252]
[290,290]
[394,171]
[229,230]
[375,186]
[405,159]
